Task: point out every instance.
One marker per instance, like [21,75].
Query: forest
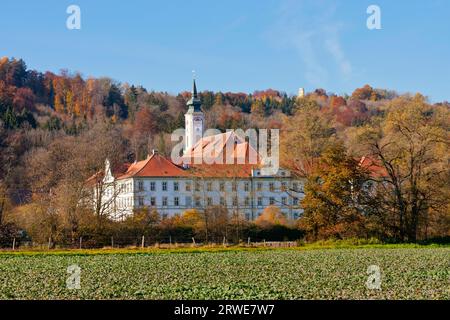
[376,162]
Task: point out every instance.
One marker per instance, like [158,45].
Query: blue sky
[237,45]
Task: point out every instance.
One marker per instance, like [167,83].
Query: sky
[238,46]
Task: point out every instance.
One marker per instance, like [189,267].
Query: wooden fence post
[112,242]
[14,243]
[248,241]
[143,242]
[81,241]
[49,242]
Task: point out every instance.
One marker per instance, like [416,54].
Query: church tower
[194,120]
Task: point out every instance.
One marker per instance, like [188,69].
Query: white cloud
[310,28]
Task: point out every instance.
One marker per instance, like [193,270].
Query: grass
[320,245]
[306,272]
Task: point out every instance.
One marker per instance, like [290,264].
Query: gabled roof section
[217,148]
[154,166]
[117,170]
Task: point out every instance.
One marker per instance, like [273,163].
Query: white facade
[247,197]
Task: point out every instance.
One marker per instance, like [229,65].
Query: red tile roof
[213,146]
[222,170]
[375,169]
[154,166]
[116,171]
[217,147]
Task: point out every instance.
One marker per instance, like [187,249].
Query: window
[164,186]
[209,201]
[209,186]
[152,186]
[197,202]
[246,186]
[153,201]
[164,201]
[222,186]
[247,201]
[141,185]
[175,186]
[197,186]
[271,201]
[234,186]
[283,186]
[295,200]
[235,202]
[176,201]
[188,186]
[260,201]
[272,187]
[295,186]
[188,201]
[141,201]
[259,186]
[222,201]
[283,201]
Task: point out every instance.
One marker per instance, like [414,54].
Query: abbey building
[241,187]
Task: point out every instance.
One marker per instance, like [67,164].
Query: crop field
[406,273]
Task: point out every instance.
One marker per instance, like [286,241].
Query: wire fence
[14,244]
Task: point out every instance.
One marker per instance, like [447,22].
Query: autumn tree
[304,137]
[218,220]
[144,128]
[332,194]
[411,145]
[337,101]
[364,93]
[271,216]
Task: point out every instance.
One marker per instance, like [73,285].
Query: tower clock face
[198,124]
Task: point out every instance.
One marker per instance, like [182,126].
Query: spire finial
[194,87]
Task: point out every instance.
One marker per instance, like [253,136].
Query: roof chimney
[154,151]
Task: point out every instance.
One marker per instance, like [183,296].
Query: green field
[406,273]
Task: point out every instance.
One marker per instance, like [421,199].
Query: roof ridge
[147,161]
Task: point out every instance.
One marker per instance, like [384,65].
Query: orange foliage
[271,216]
